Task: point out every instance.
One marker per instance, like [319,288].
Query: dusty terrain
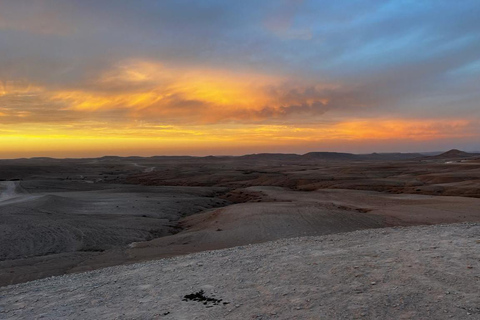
[72,215]
[428,272]
[286,214]
[62,223]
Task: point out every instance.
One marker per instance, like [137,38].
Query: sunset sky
[115,77]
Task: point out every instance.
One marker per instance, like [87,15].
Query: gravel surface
[429,272]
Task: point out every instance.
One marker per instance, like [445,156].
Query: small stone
[373,283]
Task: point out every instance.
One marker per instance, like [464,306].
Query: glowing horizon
[213,77]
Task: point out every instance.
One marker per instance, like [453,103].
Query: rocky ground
[427,272]
[47,227]
[61,216]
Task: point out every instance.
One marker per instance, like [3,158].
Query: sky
[86,78]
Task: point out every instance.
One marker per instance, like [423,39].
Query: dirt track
[428,272]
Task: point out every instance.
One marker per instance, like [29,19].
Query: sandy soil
[429,272]
[397,209]
[427,177]
[288,214]
[74,220]
[281,213]
[74,215]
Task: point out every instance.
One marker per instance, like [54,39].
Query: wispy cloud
[211,64]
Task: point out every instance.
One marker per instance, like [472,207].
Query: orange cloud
[144,107]
[414,129]
[139,90]
[150,90]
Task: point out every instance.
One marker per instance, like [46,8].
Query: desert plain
[320,235]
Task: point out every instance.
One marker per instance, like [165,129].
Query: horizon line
[236,156]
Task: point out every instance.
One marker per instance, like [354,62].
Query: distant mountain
[286,157]
[41,158]
[390,156]
[330,156]
[271,156]
[432,153]
[454,154]
[173,157]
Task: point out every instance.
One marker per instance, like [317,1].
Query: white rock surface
[430,272]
